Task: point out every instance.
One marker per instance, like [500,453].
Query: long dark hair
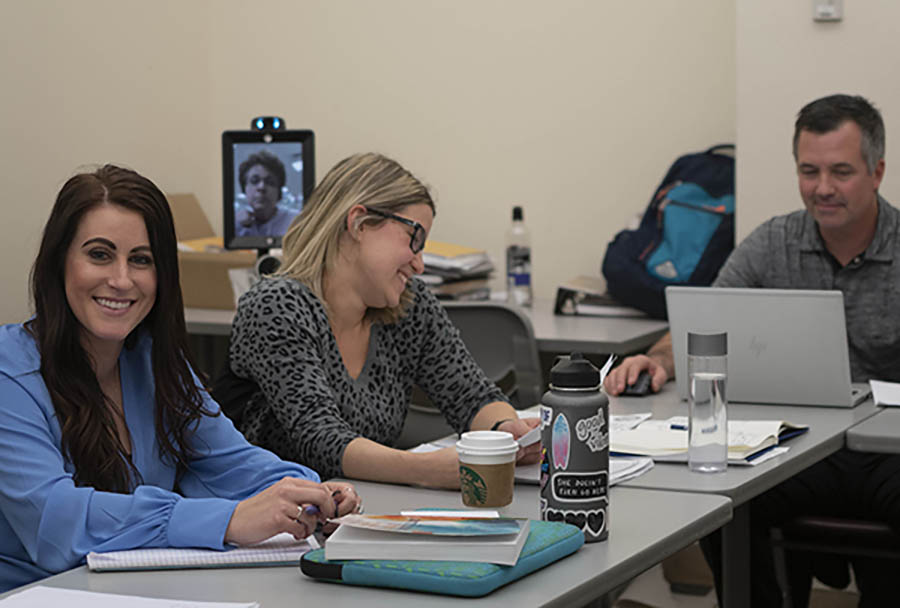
[89,437]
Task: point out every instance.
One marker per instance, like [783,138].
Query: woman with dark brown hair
[108,440]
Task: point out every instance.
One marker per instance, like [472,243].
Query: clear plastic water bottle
[518,261]
[708,421]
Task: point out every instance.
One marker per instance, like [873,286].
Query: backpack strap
[720,148]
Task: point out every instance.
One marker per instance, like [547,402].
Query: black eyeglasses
[416,239]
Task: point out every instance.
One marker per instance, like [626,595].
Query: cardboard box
[204,273]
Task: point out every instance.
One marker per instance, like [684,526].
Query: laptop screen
[784,346]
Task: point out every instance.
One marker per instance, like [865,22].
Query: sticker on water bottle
[592,522]
[560,439]
[546,416]
[593,432]
[579,487]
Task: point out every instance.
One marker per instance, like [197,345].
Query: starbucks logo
[474,490]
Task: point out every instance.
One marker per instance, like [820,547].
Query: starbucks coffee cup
[487,468]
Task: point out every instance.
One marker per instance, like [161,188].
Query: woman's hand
[443,469]
[345,498]
[290,505]
[529,454]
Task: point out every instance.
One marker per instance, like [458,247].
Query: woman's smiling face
[110,275]
[387,261]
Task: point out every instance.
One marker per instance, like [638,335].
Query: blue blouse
[48,525]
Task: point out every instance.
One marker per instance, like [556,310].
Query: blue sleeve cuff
[200,522]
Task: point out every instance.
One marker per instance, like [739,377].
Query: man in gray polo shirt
[847,238]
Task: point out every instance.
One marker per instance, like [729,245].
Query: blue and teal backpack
[685,235]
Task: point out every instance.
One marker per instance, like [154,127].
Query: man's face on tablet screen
[262,190]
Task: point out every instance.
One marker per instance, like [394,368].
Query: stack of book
[429,535]
[455,272]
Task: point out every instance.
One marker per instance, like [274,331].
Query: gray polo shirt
[787,252]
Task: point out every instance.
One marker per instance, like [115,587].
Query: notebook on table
[785,346]
[280,550]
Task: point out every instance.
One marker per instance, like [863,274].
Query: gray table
[880,433]
[597,335]
[641,534]
[592,335]
[827,427]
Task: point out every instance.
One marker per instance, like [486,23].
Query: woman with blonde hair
[332,345]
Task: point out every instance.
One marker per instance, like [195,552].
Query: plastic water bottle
[708,421]
[518,261]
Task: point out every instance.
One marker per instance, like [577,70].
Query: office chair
[502,342]
[836,536]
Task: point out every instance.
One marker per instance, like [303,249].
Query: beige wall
[785,60]
[93,82]
[572,109]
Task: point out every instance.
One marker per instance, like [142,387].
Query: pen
[314,510]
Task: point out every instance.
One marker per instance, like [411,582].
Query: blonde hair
[311,243]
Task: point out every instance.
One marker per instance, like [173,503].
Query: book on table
[428,536]
[585,295]
[667,440]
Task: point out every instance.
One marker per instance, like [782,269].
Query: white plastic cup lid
[487,443]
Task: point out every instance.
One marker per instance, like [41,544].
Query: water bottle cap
[517,213]
[574,371]
[707,345]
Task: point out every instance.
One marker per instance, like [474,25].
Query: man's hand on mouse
[628,371]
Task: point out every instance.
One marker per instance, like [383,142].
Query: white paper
[627,421]
[667,440]
[606,367]
[741,433]
[424,448]
[532,436]
[616,423]
[885,393]
[767,455]
[40,597]
[473,514]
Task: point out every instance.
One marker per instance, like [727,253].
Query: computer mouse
[641,386]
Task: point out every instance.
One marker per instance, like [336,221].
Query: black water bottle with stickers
[575,448]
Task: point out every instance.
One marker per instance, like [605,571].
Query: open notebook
[667,440]
[280,550]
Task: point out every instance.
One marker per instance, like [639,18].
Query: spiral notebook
[280,550]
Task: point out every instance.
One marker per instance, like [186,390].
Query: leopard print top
[309,408]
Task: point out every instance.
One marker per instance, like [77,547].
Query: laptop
[785,346]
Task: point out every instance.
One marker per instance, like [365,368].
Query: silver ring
[359,507]
[299,513]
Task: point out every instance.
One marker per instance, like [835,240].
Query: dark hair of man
[269,161]
[90,440]
[829,113]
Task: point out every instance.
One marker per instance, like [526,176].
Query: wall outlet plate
[828,10]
